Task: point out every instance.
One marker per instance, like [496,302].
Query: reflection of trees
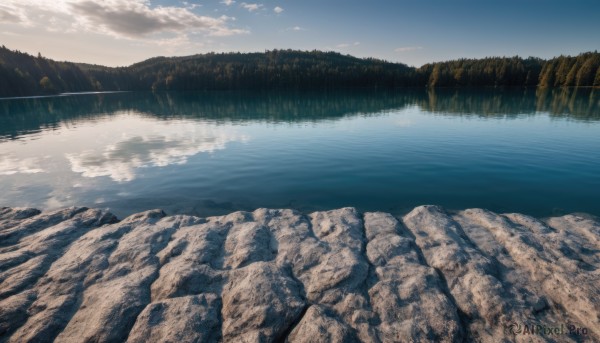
[581,104]
[30,115]
[480,102]
[273,106]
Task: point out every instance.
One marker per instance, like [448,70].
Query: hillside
[23,74]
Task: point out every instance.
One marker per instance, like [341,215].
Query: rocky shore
[81,275]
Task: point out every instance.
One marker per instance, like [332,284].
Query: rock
[408,296]
[13,311]
[548,259]
[260,303]
[247,243]
[471,277]
[319,326]
[78,274]
[10,217]
[60,290]
[123,289]
[191,261]
[17,223]
[193,318]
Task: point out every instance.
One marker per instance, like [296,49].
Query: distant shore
[60,94]
[27,75]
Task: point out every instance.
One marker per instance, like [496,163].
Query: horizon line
[39,54]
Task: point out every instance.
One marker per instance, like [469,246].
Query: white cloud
[191,6]
[131,19]
[228,2]
[135,19]
[408,48]
[295,28]
[347,45]
[251,7]
[11,14]
[228,32]
[278,10]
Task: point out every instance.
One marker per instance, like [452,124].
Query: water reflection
[27,116]
[97,160]
[120,154]
[10,165]
[211,153]
[579,104]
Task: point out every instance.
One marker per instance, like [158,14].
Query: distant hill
[22,74]
[564,71]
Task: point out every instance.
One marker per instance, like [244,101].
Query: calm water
[214,152]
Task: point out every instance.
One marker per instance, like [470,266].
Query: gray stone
[260,303]
[318,326]
[78,275]
[193,318]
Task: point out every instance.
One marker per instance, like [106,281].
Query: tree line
[22,74]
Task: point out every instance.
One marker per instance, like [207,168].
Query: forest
[22,74]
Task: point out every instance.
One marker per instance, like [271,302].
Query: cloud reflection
[10,165]
[122,160]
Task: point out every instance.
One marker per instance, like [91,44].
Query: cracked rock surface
[80,275]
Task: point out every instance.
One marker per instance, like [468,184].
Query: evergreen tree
[23,74]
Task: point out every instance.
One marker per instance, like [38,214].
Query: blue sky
[121,32]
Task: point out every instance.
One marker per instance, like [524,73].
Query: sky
[122,32]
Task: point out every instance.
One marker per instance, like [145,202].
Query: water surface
[211,153]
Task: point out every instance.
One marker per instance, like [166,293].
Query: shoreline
[268,275]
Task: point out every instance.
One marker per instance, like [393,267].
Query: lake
[210,153]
